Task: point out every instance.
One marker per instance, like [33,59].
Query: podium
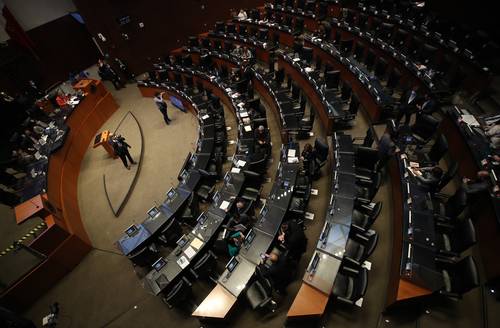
[36,206]
[102,139]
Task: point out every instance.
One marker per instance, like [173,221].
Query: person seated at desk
[291,238]
[234,242]
[429,176]
[308,155]
[278,268]
[428,105]
[241,219]
[246,54]
[478,185]
[262,139]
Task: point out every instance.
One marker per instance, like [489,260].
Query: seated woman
[234,242]
[308,155]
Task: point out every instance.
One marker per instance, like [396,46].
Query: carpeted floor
[105,291]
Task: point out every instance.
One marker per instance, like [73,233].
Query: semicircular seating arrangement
[320,60]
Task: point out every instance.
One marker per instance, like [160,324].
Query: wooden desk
[309,302]
[84,85]
[30,208]
[216,305]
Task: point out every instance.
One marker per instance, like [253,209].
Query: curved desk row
[258,240]
[469,149]
[319,278]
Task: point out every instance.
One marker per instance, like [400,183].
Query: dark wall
[167,25]
[61,46]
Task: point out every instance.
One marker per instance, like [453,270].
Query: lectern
[102,139]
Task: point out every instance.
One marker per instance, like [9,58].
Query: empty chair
[310,6]
[400,38]
[295,91]
[437,151]
[457,238]
[367,190]
[386,31]
[205,43]
[350,285]
[193,41]
[259,294]
[366,159]
[307,55]
[180,294]
[230,28]
[359,247]
[332,79]
[299,25]
[394,79]
[376,25]
[370,59]
[359,51]
[450,207]
[459,277]
[263,33]
[288,21]
[242,30]
[381,68]
[368,140]
[297,48]
[219,27]
[144,256]
[321,149]
[427,55]
[346,46]
[346,91]
[354,105]
[206,267]
[170,234]
[424,128]
[362,221]
[362,21]
[217,45]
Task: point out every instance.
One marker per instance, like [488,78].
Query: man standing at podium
[121,150]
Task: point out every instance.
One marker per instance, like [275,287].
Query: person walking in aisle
[162,106]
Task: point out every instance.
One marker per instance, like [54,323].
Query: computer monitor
[232,264]
[264,211]
[202,218]
[132,230]
[182,241]
[153,211]
[159,264]
[171,193]
[307,54]
[216,198]
[249,238]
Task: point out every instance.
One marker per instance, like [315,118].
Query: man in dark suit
[106,72]
[408,105]
[292,239]
[121,150]
[428,105]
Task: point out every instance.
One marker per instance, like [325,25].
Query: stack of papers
[190,252]
[183,262]
[196,243]
[224,205]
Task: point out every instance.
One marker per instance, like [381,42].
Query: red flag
[15,31]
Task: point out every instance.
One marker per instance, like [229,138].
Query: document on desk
[183,262]
[291,152]
[240,163]
[292,160]
[470,120]
[225,205]
[196,243]
[204,117]
[248,128]
[235,170]
[189,252]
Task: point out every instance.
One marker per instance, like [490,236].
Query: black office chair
[437,151]
[453,239]
[359,51]
[170,234]
[394,79]
[459,277]
[252,179]
[179,295]
[359,247]
[368,140]
[321,149]
[350,285]
[367,188]
[332,80]
[365,160]
[381,68]
[447,176]
[370,59]
[251,195]
[191,211]
[361,221]
[450,207]
[205,192]
[206,267]
[400,38]
[424,128]
[259,294]
[145,256]
[346,92]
